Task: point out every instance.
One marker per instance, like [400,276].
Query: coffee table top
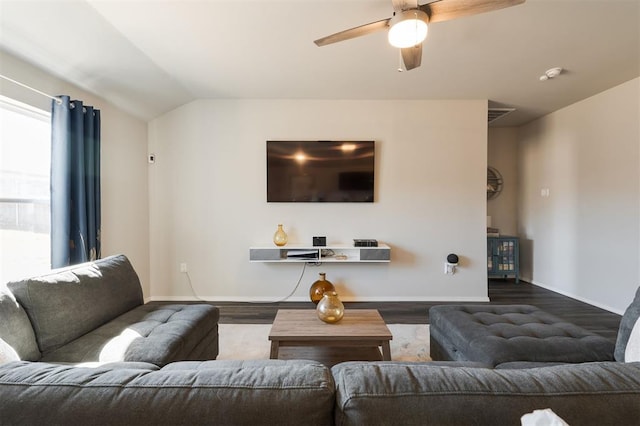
[304,324]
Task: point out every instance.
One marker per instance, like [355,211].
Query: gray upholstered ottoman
[516,334]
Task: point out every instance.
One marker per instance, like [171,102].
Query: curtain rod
[55,98]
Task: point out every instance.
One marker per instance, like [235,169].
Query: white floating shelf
[330,254]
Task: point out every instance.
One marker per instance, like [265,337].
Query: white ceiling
[151,56]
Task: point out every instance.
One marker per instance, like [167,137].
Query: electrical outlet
[183,267]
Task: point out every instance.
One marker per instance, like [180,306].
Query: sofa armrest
[17,338]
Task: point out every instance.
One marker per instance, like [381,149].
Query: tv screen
[320,171]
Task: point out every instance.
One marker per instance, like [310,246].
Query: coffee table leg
[386,351]
[275,345]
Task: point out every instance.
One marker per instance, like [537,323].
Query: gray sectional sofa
[155,384]
[298,392]
[95,313]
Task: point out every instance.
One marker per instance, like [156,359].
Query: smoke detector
[551,73]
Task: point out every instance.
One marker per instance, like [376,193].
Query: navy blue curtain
[75,183]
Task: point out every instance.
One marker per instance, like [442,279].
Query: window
[25,161]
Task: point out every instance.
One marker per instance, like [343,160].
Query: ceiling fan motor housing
[408,28]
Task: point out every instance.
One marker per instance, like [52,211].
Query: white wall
[208,199]
[124,184]
[502,155]
[583,240]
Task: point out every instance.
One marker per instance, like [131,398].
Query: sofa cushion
[416,394]
[628,321]
[16,332]
[68,303]
[154,333]
[496,334]
[269,392]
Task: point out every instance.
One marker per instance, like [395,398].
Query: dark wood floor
[590,317]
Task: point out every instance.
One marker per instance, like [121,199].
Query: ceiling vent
[497,113]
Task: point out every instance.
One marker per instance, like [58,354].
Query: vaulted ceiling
[151,56]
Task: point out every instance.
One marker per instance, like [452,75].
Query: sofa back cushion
[386,393]
[17,340]
[629,320]
[68,303]
[253,392]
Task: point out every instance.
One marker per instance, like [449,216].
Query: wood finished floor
[501,292]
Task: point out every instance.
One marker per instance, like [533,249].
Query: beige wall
[125,205]
[502,155]
[208,199]
[204,203]
[583,240]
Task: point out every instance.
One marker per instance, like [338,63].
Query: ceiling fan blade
[362,30]
[444,10]
[412,56]
[404,4]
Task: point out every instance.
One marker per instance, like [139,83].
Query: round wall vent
[494,183]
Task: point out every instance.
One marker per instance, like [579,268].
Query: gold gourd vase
[319,287]
[330,308]
[280,237]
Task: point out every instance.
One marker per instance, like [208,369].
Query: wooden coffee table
[356,337]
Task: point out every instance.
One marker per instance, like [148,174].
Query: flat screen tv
[320,171]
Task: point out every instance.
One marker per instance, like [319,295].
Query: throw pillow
[632,351]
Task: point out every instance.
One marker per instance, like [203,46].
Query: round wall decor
[494,183]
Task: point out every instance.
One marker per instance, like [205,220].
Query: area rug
[251,341]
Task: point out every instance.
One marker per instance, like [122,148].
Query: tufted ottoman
[511,335]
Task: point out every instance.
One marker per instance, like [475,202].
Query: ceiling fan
[408,25]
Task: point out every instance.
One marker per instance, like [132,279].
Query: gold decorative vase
[330,309]
[319,287]
[280,237]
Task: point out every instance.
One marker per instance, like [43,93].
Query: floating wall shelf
[329,254]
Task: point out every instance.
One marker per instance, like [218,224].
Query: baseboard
[573,296]
[462,299]
[306,299]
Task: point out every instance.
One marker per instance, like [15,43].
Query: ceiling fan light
[408,28]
